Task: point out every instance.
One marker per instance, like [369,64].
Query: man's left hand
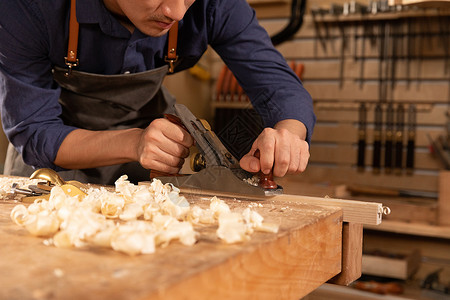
[282,148]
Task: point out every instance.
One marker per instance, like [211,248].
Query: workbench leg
[352,239]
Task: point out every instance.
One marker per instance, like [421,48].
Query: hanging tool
[343,48]
[410,45]
[218,169]
[399,139]
[389,136]
[362,58]
[362,137]
[376,161]
[315,12]
[420,47]
[410,148]
[433,288]
[394,41]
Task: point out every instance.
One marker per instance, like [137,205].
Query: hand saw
[218,169]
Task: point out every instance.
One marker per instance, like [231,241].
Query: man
[104,118]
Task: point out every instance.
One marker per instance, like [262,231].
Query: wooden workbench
[305,253]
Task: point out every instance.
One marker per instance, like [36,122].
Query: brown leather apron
[105,102]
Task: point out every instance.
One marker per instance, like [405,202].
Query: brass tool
[42,189]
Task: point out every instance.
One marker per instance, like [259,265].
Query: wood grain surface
[305,253]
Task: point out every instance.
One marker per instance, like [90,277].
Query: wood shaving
[134,219]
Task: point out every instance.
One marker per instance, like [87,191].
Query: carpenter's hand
[163,146]
[283,148]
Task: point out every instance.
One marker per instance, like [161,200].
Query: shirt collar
[95,12]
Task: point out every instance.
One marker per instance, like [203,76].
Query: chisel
[376,159]
[411,139]
[388,143]
[399,139]
[362,137]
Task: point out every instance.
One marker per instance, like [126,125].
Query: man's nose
[175,9]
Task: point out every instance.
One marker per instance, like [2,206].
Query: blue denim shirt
[34,37]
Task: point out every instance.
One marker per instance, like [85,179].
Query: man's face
[152,17]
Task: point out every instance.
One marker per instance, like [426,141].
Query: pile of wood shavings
[134,219]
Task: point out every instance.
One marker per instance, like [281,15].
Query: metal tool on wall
[382,96]
[410,148]
[400,123]
[388,139]
[376,159]
[362,137]
[316,12]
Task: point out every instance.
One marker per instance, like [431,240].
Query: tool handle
[361,153]
[265,180]
[388,154]
[175,120]
[398,154]
[376,162]
[362,137]
[410,154]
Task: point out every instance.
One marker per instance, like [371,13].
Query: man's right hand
[163,146]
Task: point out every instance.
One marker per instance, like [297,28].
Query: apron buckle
[70,65]
[171,61]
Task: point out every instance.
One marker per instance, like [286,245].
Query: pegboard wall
[377,80]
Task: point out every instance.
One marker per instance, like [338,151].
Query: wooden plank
[424,92]
[300,257]
[385,16]
[272,10]
[353,211]
[347,133]
[331,47]
[336,292]
[329,69]
[343,174]
[444,198]
[347,154]
[424,3]
[352,238]
[412,228]
[402,267]
[432,114]
[402,209]
[430,69]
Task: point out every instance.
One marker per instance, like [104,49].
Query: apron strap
[172,56]
[71,59]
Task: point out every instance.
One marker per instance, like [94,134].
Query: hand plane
[217,169]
